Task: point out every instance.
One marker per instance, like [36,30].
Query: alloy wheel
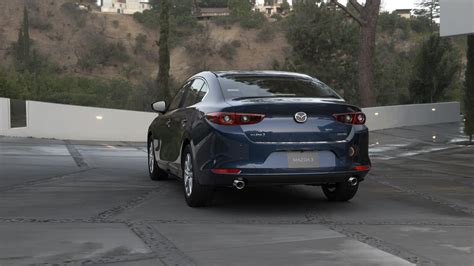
[188,175]
[151,157]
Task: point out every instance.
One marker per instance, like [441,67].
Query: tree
[436,68]
[366,16]
[469,90]
[23,45]
[285,6]
[325,45]
[241,8]
[164,53]
[212,3]
[429,9]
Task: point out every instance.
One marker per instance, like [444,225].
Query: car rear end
[282,130]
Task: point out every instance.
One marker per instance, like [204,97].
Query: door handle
[183,122]
[168,123]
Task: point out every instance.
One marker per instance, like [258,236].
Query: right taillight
[357,118]
[233,119]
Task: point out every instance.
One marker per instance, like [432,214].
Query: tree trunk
[369,15]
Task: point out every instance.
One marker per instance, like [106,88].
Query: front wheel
[195,194]
[153,169]
[342,191]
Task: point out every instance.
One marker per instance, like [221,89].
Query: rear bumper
[267,179]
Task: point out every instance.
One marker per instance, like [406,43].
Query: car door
[166,131]
[181,120]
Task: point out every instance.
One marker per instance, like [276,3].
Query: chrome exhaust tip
[353,181]
[239,184]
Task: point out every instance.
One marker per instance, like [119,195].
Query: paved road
[92,203]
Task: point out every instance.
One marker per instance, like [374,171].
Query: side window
[202,92]
[193,92]
[176,102]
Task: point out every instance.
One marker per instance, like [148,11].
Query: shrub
[254,21]
[79,16]
[278,17]
[148,18]
[266,34]
[227,51]
[37,23]
[236,43]
[103,53]
[140,42]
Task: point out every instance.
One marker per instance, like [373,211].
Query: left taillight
[357,118]
[233,119]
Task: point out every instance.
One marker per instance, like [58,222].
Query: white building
[269,7]
[123,6]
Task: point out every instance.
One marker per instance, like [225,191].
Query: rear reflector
[361,167]
[233,119]
[228,171]
[357,118]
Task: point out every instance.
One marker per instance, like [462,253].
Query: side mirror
[159,107]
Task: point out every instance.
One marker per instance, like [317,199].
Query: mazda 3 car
[259,128]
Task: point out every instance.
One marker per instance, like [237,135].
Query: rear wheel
[195,194]
[342,191]
[156,173]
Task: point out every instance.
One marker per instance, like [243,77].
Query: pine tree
[164,53]
[23,45]
[429,9]
[26,37]
[469,90]
[436,68]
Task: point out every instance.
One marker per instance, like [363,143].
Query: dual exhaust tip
[239,184]
[353,181]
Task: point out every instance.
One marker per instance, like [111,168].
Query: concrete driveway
[72,202]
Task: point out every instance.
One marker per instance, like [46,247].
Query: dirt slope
[65,37]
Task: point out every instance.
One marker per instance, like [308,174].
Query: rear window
[242,87]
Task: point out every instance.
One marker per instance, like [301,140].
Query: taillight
[233,119]
[351,118]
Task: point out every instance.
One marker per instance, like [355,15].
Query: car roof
[269,73]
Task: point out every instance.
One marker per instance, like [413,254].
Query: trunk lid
[281,126]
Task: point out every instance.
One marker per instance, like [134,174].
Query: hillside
[65,36]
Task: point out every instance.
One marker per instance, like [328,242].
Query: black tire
[156,173]
[342,191]
[196,195]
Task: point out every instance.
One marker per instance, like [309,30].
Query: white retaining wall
[411,115]
[60,121]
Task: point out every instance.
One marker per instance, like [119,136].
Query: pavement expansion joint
[166,251]
[114,211]
[425,196]
[52,179]
[75,154]
[369,240]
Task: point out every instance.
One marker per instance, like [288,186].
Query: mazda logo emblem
[301,117]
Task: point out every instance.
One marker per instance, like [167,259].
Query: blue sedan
[258,128]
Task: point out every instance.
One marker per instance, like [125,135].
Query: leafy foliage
[213,3]
[164,60]
[22,47]
[51,87]
[241,8]
[437,66]
[148,18]
[429,9]
[227,51]
[102,52]
[324,44]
